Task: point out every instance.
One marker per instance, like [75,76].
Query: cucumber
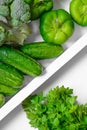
[20,61]
[42,50]
[9,76]
[8,91]
[2,99]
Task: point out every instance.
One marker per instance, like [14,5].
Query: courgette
[20,61]
[42,50]
[7,90]
[2,99]
[9,76]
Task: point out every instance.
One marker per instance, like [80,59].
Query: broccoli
[4,10]
[20,12]
[13,34]
[3,2]
[14,19]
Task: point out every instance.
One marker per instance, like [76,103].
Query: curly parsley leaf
[57,110]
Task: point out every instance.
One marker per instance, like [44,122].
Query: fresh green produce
[56,26]
[14,18]
[78,11]
[4,10]
[57,110]
[42,50]
[9,76]
[13,34]
[38,7]
[20,12]
[8,91]
[28,1]
[20,61]
[2,99]
[2,35]
[5,2]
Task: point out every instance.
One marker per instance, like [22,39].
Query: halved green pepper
[56,26]
[38,7]
[78,11]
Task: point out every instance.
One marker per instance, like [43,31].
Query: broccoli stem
[15,34]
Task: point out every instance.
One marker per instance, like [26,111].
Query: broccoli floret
[3,2]
[4,10]
[14,16]
[20,12]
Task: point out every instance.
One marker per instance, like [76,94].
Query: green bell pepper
[56,26]
[38,7]
[78,11]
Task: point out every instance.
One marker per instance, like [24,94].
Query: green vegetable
[57,110]
[14,34]
[28,1]
[8,91]
[38,7]
[4,10]
[9,76]
[56,26]
[14,18]
[5,2]
[78,11]
[20,12]
[2,35]
[42,50]
[20,61]
[2,99]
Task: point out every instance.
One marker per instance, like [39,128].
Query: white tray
[73,49]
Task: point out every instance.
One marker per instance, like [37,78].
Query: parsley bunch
[57,110]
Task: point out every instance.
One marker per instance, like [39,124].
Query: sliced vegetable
[20,61]
[78,11]
[56,26]
[42,50]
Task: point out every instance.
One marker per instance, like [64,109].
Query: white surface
[47,73]
[73,74]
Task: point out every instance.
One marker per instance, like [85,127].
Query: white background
[73,74]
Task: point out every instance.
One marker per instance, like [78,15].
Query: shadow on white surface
[73,74]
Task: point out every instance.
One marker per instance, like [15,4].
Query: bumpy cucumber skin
[9,76]
[56,26]
[20,61]
[78,11]
[8,91]
[2,99]
[42,50]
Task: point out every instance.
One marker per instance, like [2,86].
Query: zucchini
[20,61]
[9,76]
[42,50]
[7,90]
[2,99]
